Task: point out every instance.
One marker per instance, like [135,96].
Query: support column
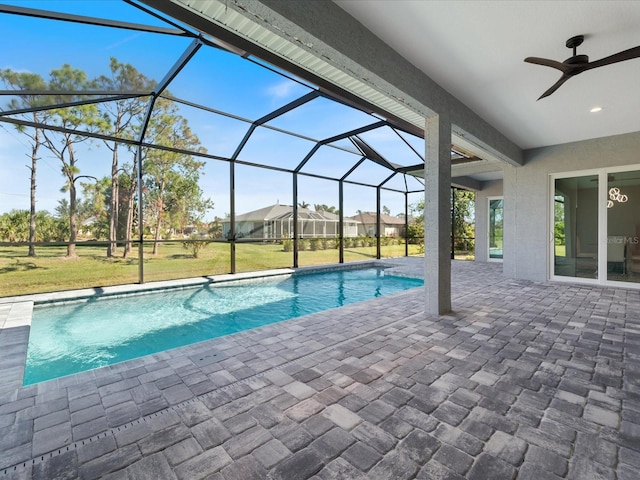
[437,219]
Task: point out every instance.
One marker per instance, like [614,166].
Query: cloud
[282,89]
[122,42]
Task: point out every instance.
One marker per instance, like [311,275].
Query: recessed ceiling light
[595,109]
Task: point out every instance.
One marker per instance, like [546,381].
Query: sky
[217,79]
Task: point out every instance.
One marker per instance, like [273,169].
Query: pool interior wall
[16,312]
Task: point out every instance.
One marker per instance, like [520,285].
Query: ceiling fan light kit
[577,64]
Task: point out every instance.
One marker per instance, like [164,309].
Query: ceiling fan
[576,64]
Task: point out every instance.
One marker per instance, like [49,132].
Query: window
[496,220]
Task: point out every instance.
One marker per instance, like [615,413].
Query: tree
[127,188]
[415,228]
[173,195]
[186,205]
[215,228]
[94,206]
[463,219]
[559,230]
[303,204]
[33,82]
[124,116]
[70,82]
[14,226]
[325,208]
[49,228]
[386,210]
[61,215]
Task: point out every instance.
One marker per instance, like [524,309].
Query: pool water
[71,338]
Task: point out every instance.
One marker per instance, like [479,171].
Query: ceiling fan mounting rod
[575,42]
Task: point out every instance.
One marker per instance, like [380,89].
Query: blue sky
[214,78]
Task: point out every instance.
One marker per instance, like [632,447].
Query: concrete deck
[523,381]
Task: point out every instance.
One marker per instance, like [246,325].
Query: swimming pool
[71,338]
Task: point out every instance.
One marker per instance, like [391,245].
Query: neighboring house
[87,226]
[389,226]
[190,230]
[276,221]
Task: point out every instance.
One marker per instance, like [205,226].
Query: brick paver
[523,380]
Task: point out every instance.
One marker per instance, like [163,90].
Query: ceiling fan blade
[564,68]
[555,86]
[615,58]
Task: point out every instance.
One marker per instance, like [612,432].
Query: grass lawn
[51,271]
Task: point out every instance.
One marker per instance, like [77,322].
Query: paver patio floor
[523,380]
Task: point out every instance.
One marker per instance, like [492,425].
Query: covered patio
[523,380]
[511,370]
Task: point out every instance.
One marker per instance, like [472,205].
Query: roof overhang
[236,30]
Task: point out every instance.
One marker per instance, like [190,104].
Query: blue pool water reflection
[72,338]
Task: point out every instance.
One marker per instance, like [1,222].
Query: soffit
[219,13]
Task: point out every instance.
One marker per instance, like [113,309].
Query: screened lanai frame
[354,141]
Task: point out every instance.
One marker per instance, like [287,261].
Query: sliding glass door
[595,222]
[575,227]
[623,226]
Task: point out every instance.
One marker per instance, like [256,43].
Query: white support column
[437,215]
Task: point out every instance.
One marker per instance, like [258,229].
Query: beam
[467,183]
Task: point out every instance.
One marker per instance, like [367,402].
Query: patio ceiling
[480,61]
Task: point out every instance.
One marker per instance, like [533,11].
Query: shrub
[287,245]
[195,245]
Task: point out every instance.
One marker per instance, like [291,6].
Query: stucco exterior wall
[526,196]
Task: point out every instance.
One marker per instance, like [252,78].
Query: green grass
[51,271]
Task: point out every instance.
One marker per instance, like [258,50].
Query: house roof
[370,217]
[284,212]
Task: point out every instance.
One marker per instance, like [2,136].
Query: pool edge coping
[55,384]
[134,288]
[17,318]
